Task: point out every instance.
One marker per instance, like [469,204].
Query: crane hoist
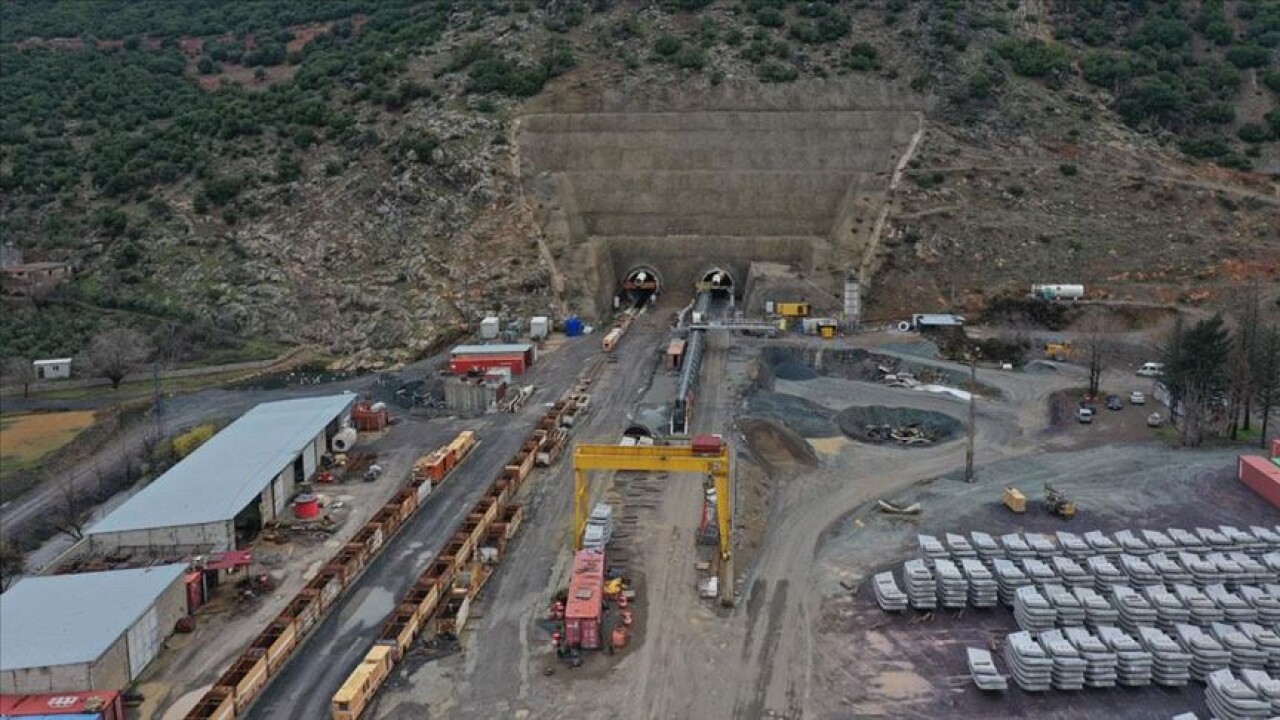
[707,455]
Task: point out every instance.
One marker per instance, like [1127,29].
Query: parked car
[1114,403]
[1155,420]
[1084,415]
[1151,369]
[1137,398]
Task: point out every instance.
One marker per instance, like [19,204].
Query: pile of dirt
[776,444]
[878,424]
[791,369]
[807,418]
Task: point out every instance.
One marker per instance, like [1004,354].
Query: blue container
[573,326]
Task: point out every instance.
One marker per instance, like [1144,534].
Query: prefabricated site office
[239,479]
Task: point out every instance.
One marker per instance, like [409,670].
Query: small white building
[56,369]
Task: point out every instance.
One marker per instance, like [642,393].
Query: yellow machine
[706,456]
[1056,503]
[1014,499]
[1060,351]
[793,309]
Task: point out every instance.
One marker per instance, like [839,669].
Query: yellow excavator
[1060,351]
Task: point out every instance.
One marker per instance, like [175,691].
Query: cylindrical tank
[306,506]
[1058,292]
[344,440]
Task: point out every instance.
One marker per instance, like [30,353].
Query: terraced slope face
[683,192]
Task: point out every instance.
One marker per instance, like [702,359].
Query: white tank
[1058,292]
[344,440]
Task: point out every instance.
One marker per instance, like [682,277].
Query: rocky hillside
[341,172]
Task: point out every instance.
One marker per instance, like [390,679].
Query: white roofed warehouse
[90,631]
[239,479]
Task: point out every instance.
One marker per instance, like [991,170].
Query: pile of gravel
[807,418]
[854,422]
[793,370]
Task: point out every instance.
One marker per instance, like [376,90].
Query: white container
[539,327]
[489,328]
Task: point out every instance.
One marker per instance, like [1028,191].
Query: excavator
[1061,351]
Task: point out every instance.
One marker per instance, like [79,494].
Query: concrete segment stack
[1072,545]
[1245,653]
[1266,686]
[1040,572]
[959,547]
[1207,654]
[1267,538]
[1030,666]
[1235,609]
[1071,574]
[1132,544]
[1271,561]
[1139,573]
[1042,545]
[1203,572]
[1242,541]
[1068,666]
[1203,610]
[1105,574]
[1133,662]
[1032,611]
[1134,610]
[1230,699]
[1214,539]
[987,548]
[1101,544]
[1168,569]
[1267,606]
[1009,578]
[1229,571]
[953,589]
[1070,612]
[1098,611]
[983,591]
[922,587]
[1159,541]
[1100,662]
[982,668]
[1267,641]
[1187,540]
[888,596]
[1169,609]
[931,548]
[1170,664]
[1252,570]
[1015,547]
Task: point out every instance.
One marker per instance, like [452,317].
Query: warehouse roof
[70,619]
[225,474]
[491,349]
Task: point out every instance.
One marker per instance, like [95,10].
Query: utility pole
[973,412]
[157,408]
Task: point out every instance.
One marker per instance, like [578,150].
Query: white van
[1151,369]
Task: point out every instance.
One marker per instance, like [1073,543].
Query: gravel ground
[805,417]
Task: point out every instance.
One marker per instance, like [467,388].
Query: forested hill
[332,171]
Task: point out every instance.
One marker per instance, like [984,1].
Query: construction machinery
[1060,351]
[707,455]
[1056,503]
[1014,499]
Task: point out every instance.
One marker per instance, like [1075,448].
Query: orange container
[1262,476]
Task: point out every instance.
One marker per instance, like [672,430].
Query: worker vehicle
[1114,403]
[793,309]
[1060,351]
[1155,420]
[1056,503]
[1014,499]
[1151,369]
[1057,292]
[1137,398]
[1084,415]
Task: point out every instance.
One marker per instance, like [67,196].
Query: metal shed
[91,631]
[250,469]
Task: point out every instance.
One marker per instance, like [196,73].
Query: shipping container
[515,362]
[1262,476]
[1275,448]
[539,327]
[246,677]
[354,695]
[585,606]
[216,704]
[489,328]
[793,309]
[104,704]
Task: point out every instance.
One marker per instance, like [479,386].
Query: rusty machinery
[708,455]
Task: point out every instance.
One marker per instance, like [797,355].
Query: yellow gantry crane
[708,455]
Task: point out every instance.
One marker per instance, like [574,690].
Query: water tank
[573,326]
[1058,292]
[539,327]
[344,440]
[489,328]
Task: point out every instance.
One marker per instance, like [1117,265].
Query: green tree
[1194,367]
[1266,374]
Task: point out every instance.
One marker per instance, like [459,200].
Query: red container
[195,590]
[1275,448]
[306,506]
[462,364]
[1262,476]
[585,607]
[707,444]
[106,703]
